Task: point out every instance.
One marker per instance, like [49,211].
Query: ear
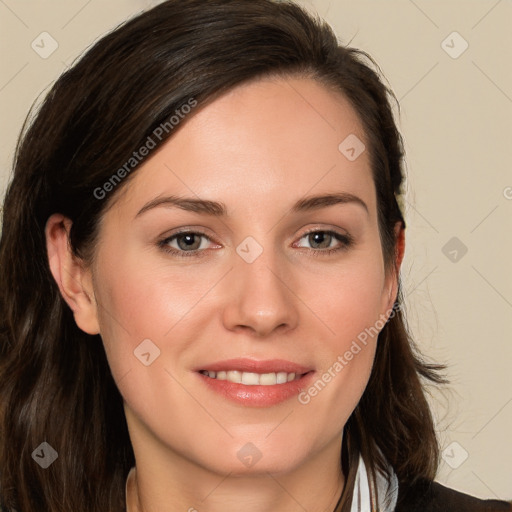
[72,277]
[400,245]
[392,281]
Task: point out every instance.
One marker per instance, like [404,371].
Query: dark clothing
[434,497]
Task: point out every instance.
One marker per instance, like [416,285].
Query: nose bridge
[259,297]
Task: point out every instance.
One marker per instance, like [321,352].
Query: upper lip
[254,366]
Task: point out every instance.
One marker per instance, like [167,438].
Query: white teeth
[268,379]
[282,377]
[234,376]
[251,378]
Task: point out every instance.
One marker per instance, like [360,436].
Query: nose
[261,296]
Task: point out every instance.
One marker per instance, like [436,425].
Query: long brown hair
[55,383]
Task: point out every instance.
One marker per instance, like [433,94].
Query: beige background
[456,121]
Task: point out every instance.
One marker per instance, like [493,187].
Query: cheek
[352,307]
[142,299]
[350,300]
[143,296]
[142,316]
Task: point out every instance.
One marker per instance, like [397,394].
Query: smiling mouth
[253,379]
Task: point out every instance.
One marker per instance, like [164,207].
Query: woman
[172,336]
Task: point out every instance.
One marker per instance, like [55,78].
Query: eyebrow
[218,209]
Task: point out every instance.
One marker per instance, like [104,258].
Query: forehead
[264,141]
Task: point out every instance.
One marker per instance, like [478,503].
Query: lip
[257,395]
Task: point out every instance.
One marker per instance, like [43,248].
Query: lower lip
[257,396]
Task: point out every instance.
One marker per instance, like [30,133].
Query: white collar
[388,490]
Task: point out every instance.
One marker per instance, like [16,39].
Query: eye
[321,241]
[194,243]
[185,243]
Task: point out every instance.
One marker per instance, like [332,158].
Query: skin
[258,149]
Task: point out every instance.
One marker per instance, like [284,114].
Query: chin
[275,464]
[246,458]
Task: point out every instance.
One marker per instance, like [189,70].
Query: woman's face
[250,288]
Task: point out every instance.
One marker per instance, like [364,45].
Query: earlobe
[72,278]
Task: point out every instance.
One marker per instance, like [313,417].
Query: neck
[292,474]
[312,487]
[288,504]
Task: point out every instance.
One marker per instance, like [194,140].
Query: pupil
[188,241]
[322,236]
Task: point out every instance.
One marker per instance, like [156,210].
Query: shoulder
[425,496]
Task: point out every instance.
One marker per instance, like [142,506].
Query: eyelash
[345,239]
